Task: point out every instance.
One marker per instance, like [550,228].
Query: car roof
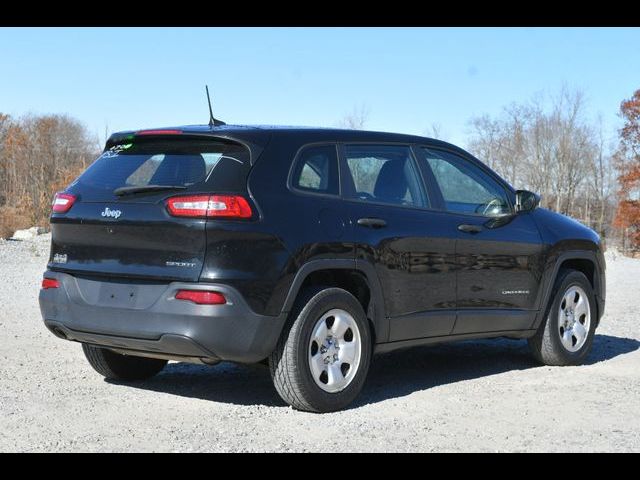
[261,134]
[256,137]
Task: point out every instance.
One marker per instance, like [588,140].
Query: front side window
[384,174]
[316,170]
[465,187]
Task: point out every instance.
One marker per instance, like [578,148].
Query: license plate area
[114,295]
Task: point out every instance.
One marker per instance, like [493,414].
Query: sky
[408,79]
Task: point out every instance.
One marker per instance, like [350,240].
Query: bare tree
[549,146]
[356,119]
[599,204]
[501,141]
[107,134]
[5,125]
[435,130]
[487,140]
[38,155]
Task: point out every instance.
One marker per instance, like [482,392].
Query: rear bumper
[145,317]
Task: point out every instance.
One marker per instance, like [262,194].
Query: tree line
[39,155]
[627,160]
[548,145]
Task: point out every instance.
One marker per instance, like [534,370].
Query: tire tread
[283,365]
[545,349]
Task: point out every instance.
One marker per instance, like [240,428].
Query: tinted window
[316,170]
[220,165]
[383,173]
[465,187]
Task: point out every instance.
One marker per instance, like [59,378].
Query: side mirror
[526,201]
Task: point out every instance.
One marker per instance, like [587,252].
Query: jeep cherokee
[312,249]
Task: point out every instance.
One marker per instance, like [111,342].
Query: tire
[295,367]
[115,366]
[547,344]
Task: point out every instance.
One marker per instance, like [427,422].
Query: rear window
[316,170]
[195,164]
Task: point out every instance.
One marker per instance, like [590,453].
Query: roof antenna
[213,122]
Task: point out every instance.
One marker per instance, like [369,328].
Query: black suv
[309,248]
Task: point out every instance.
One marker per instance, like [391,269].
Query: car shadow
[398,374]
[392,375]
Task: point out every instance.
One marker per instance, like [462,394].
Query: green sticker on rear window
[116,149]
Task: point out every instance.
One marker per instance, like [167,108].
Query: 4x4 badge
[111,213]
[60,258]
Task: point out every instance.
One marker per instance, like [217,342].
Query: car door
[498,252]
[410,245]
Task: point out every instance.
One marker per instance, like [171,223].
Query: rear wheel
[116,366]
[566,335]
[321,362]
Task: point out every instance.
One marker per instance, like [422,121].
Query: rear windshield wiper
[146,188]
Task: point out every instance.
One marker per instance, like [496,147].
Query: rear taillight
[201,297]
[210,206]
[62,202]
[50,283]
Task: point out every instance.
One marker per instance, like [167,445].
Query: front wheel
[566,335]
[321,362]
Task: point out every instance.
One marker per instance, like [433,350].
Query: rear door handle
[372,222]
[467,228]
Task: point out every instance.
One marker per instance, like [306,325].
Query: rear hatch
[119,223]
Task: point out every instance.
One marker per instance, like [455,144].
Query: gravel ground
[479,396]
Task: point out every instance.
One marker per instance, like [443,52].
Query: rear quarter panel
[302,227]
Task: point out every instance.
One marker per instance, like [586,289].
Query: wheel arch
[582,261]
[358,278]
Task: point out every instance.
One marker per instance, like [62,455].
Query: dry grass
[12,219]
[28,211]
[39,155]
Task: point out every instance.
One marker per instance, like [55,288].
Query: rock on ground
[28,234]
[471,396]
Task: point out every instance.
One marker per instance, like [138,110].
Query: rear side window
[192,163]
[316,170]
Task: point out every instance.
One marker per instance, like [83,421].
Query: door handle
[467,228]
[372,222]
